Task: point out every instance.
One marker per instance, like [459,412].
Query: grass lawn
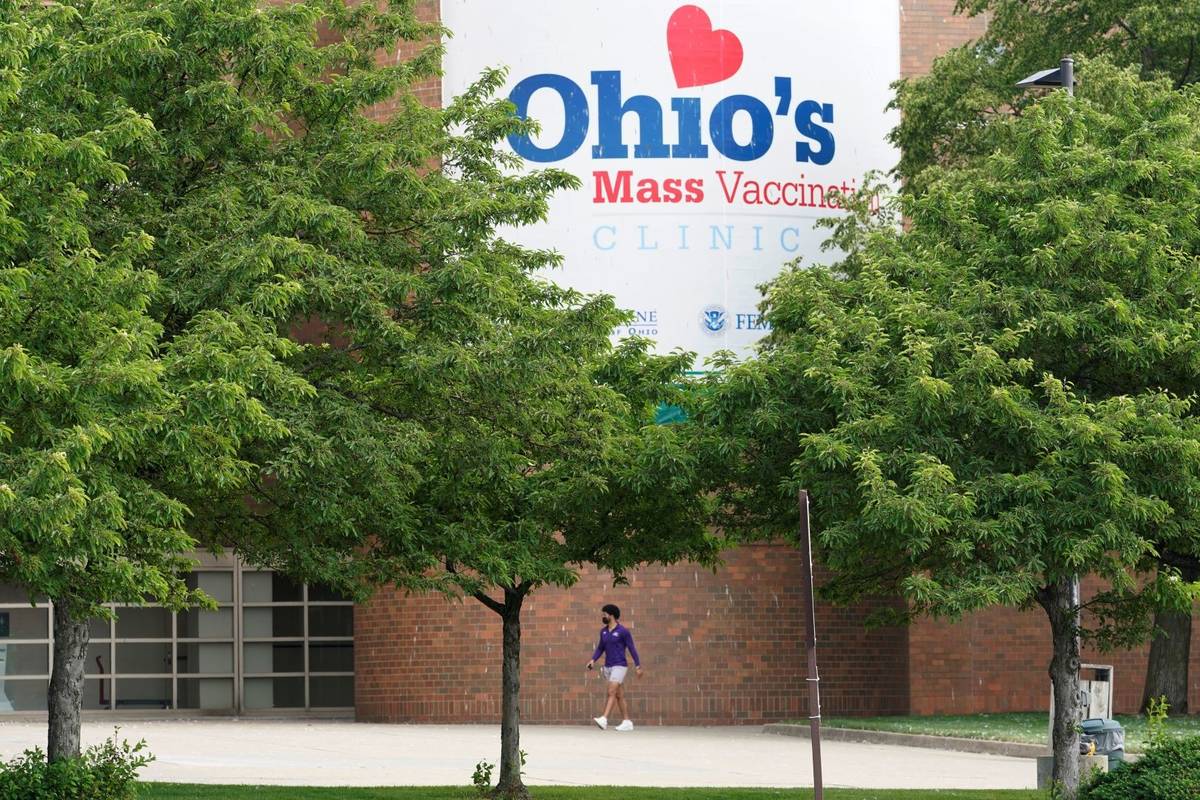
[171,791]
[1024,727]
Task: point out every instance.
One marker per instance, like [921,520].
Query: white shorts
[614,674]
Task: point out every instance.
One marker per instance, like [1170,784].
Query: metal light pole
[1064,76]
[810,623]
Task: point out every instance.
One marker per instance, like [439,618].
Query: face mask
[604,620]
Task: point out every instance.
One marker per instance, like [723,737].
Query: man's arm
[596,654]
[637,662]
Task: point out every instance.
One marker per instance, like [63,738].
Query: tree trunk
[65,696]
[511,786]
[1170,650]
[1061,602]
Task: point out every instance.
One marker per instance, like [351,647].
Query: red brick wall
[428,92]
[928,28]
[997,660]
[718,649]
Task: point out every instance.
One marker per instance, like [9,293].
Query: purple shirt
[613,643]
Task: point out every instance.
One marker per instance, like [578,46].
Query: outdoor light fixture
[1062,75]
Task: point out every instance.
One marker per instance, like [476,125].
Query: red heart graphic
[700,55]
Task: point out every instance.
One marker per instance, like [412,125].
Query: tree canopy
[106,417]
[114,416]
[945,115]
[996,398]
[946,120]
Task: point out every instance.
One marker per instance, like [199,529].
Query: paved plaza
[337,753]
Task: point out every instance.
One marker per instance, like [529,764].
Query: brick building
[719,648]
[724,647]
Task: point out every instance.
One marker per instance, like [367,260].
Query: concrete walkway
[336,753]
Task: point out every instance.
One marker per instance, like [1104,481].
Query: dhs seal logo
[713,319]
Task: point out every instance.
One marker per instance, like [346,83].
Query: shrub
[107,771]
[1156,721]
[482,779]
[1169,771]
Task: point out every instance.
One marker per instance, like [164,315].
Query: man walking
[615,639]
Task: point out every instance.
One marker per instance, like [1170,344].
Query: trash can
[1110,739]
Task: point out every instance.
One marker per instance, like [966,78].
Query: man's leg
[613,690]
[621,702]
[626,724]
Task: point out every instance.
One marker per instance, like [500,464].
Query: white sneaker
[601,722]
[627,725]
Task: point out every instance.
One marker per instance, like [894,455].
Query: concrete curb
[957,744]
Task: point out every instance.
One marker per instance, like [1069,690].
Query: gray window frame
[206,563]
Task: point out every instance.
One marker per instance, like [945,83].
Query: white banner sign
[708,138]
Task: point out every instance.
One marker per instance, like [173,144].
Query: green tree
[454,422]
[101,419]
[478,434]
[549,459]
[215,139]
[986,404]
[945,119]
